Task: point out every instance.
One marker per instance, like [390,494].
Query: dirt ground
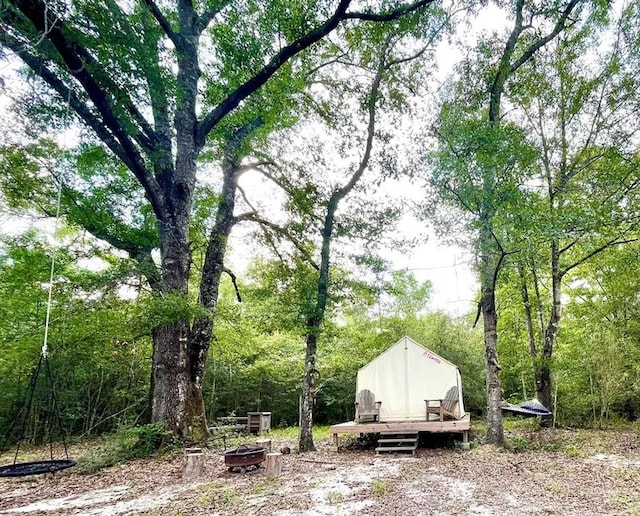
[556,472]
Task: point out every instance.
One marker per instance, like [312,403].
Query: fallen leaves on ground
[555,472]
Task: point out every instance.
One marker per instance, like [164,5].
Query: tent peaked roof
[406,342]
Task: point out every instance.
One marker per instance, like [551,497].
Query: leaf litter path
[564,472]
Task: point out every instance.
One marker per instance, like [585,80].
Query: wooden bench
[366,407]
[445,407]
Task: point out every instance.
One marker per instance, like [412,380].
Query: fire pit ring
[244,458]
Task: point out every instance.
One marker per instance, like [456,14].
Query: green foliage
[127,443]
[561,167]
[97,357]
[379,487]
[166,308]
[409,296]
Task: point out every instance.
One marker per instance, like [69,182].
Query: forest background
[543,196]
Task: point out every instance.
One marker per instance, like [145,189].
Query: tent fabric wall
[404,376]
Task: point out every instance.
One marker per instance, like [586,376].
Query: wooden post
[265,443]
[334,448]
[273,466]
[195,463]
[465,440]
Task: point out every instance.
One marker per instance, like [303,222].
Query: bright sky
[449,269]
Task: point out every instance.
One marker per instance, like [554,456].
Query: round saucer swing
[39,467]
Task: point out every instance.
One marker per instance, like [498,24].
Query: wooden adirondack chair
[367,408]
[445,407]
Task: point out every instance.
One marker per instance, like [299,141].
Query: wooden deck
[453,426]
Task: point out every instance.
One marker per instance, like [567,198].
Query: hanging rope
[52,465]
[45,340]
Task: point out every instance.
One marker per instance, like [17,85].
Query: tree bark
[169,377]
[491,261]
[495,432]
[543,378]
[313,329]
[306,443]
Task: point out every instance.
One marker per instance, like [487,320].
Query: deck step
[393,449]
[391,442]
[400,440]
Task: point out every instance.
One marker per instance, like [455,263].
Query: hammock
[531,408]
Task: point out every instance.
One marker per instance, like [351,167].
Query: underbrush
[320,433]
[155,440]
[128,443]
[525,435]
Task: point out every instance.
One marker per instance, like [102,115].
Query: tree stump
[273,465]
[195,463]
[265,443]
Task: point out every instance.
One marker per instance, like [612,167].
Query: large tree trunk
[170,365]
[176,399]
[169,377]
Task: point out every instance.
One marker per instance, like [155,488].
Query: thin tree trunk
[490,266]
[543,380]
[315,321]
[526,303]
[313,329]
[212,270]
[306,443]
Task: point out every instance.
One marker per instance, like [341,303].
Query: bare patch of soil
[559,472]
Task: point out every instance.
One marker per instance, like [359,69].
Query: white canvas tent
[406,375]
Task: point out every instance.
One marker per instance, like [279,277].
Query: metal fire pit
[245,457]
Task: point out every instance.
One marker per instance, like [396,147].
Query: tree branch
[372,99]
[263,75]
[72,54]
[534,47]
[390,16]
[289,51]
[596,251]
[230,273]
[205,19]
[253,217]
[175,38]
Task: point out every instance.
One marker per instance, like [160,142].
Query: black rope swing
[22,469]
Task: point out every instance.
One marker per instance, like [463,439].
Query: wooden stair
[394,442]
